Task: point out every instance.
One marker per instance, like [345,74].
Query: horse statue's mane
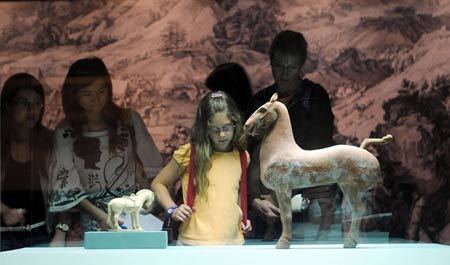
[285,166]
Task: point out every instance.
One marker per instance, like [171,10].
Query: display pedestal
[125,240]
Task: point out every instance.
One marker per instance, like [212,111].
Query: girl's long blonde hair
[212,103]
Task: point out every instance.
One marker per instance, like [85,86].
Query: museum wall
[385,64]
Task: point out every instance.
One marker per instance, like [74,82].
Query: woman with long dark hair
[102,150]
[25,152]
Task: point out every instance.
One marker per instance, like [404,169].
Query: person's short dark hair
[289,42]
[232,79]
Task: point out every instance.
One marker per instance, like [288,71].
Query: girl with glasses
[211,167]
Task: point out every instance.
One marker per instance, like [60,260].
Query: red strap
[191,192]
[244,186]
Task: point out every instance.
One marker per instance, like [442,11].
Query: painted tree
[174,38]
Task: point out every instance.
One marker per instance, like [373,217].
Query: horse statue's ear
[274,97]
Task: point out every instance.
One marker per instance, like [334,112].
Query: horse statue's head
[262,119]
[149,197]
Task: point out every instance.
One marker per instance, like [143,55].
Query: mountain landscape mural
[385,64]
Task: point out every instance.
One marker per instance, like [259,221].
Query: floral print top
[84,167]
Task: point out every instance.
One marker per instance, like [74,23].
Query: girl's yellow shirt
[217,218]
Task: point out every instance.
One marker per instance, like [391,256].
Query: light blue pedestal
[125,240]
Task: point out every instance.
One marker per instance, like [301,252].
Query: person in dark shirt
[25,148]
[312,124]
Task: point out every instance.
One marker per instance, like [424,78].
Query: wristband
[170,211]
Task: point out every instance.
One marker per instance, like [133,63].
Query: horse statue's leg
[138,226]
[135,220]
[353,196]
[113,218]
[110,220]
[351,240]
[284,202]
[116,220]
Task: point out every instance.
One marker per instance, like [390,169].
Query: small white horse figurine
[285,166]
[131,204]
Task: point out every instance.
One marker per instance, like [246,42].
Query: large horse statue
[285,166]
[132,204]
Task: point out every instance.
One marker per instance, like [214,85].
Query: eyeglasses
[225,129]
[25,104]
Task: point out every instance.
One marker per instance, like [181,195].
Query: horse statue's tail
[369,141]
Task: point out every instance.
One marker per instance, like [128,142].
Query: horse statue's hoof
[283,244]
[350,243]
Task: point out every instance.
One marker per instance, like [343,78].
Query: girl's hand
[104,225]
[182,213]
[13,216]
[246,227]
[59,239]
[266,207]
[423,237]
